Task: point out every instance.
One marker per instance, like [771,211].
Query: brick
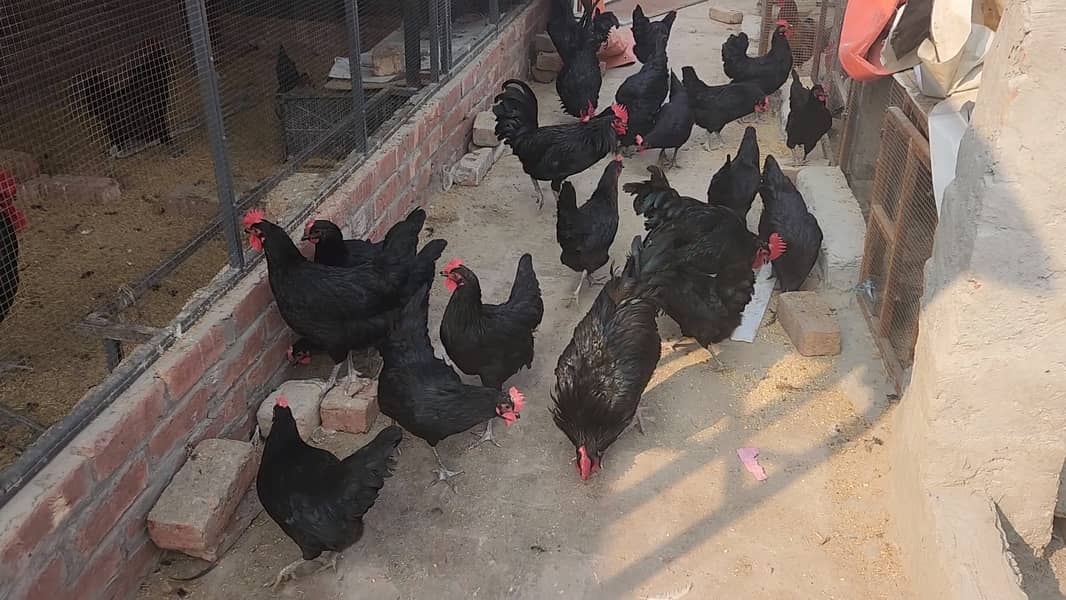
[387,195]
[542,42]
[101,570]
[138,563]
[303,399]
[244,353]
[484,129]
[122,428]
[470,80]
[103,517]
[473,167]
[809,323]
[196,507]
[386,59]
[730,17]
[351,414]
[21,165]
[72,188]
[549,61]
[255,296]
[175,430]
[543,76]
[49,583]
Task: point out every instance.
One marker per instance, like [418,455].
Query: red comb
[777,246]
[282,402]
[517,398]
[452,264]
[621,112]
[253,216]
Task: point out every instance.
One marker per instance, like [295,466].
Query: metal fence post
[446,35]
[351,13]
[819,43]
[411,13]
[494,13]
[434,39]
[196,14]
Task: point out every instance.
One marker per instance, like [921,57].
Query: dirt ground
[673,514]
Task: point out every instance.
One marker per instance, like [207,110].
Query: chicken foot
[353,376]
[665,164]
[716,365]
[485,437]
[290,572]
[714,142]
[572,300]
[540,193]
[797,158]
[444,473]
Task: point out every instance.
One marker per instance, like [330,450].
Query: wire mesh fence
[135,132]
[899,239]
[809,30]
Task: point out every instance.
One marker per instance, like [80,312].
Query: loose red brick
[195,508]
[303,398]
[809,323]
[102,518]
[71,188]
[351,414]
[123,427]
[102,569]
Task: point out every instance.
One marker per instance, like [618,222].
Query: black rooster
[713,107]
[424,395]
[338,309]
[288,75]
[643,92]
[808,120]
[316,499]
[603,371]
[585,234]
[555,152]
[673,125]
[647,33]
[735,185]
[578,83]
[785,213]
[769,71]
[492,341]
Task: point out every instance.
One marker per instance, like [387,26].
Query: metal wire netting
[810,30]
[135,131]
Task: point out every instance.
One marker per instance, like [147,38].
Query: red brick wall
[78,529]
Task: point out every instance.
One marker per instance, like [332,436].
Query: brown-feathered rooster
[338,309]
[585,234]
[785,214]
[603,371]
[647,33]
[492,341]
[316,499]
[735,184]
[713,258]
[769,71]
[424,395]
[555,152]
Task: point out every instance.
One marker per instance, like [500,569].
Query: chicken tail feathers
[516,111]
[408,337]
[369,466]
[525,293]
[401,241]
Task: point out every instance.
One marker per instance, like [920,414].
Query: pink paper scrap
[750,458]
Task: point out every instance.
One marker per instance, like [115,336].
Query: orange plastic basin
[866,24]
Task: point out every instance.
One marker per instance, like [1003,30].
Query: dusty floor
[673,511]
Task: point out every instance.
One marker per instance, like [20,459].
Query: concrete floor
[673,513]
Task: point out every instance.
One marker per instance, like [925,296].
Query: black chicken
[424,395]
[135,115]
[585,234]
[492,341]
[603,371]
[797,93]
[555,152]
[807,121]
[578,82]
[713,107]
[785,213]
[673,125]
[735,47]
[712,257]
[289,76]
[734,185]
[643,93]
[316,499]
[12,222]
[336,309]
[769,71]
[647,34]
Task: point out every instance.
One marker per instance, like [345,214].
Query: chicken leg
[714,141]
[540,193]
[796,160]
[572,300]
[444,473]
[290,572]
[352,377]
[716,365]
[486,437]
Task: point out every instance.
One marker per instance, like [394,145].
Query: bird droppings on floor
[671,511]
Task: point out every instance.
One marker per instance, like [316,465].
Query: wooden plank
[884,345]
[908,189]
[880,218]
[97,325]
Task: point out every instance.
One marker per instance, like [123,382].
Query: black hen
[492,341]
[288,75]
[656,200]
[808,122]
[734,185]
[578,83]
[603,371]
[769,71]
[316,499]
[643,92]
[555,152]
[797,93]
[735,47]
[585,234]
[424,395]
[785,213]
[713,107]
[673,125]
[338,309]
[647,33]
[332,249]
[712,257]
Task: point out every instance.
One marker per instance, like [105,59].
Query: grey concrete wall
[986,408]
